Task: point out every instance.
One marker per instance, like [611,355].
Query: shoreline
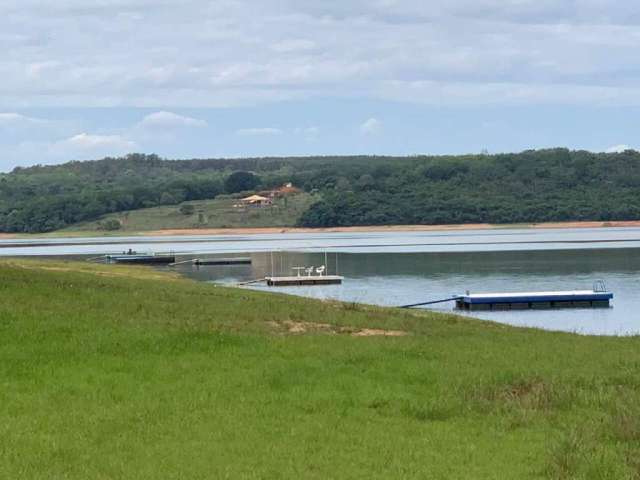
[388,228]
[354,229]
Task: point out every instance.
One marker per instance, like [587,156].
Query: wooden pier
[534,300]
[305,275]
[304,280]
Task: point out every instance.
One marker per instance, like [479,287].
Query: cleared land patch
[217,213]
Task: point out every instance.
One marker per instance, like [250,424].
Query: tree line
[531,186]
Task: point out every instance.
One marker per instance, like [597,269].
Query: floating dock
[141,259]
[304,280]
[540,300]
[222,261]
[214,261]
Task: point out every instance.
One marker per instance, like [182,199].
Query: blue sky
[229,78]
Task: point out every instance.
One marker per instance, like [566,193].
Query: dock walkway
[304,280]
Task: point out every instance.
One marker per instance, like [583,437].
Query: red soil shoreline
[363,229]
[388,228]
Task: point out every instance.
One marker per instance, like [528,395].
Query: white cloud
[93,146]
[372,126]
[293,45]
[16,119]
[309,133]
[258,132]
[37,70]
[618,148]
[169,120]
[205,54]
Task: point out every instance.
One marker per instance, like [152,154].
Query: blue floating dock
[527,300]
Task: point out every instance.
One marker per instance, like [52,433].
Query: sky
[231,78]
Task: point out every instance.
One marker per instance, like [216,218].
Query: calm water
[401,268]
[402,278]
[375,242]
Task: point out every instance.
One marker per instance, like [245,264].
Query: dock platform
[141,259]
[222,261]
[533,300]
[304,280]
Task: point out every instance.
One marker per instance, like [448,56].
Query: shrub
[187,209]
[110,224]
[240,182]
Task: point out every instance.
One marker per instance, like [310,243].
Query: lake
[396,268]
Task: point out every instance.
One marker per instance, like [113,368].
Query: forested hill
[532,186]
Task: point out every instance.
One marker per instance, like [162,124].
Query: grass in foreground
[116,372]
[216,213]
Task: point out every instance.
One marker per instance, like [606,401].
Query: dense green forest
[532,186]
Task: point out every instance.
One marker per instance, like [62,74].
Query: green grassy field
[112,372]
[217,213]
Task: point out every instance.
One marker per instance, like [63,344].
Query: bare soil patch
[376,332]
[299,328]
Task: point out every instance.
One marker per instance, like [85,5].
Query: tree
[110,224]
[365,182]
[240,182]
[187,209]
[343,184]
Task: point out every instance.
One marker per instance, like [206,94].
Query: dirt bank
[387,228]
[364,229]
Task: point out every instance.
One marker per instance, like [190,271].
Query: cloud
[93,146]
[293,45]
[258,132]
[372,126]
[618,148]
[82,146]
[16,119]
[200,53]
[169,120]
[309,133]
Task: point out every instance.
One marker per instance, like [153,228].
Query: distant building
[256,200]
[284,190]
[288,188]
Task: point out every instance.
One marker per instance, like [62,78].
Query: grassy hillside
[217,213]
[116,372]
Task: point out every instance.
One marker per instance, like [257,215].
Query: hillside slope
[217,213]
[116,372]
[532,186]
